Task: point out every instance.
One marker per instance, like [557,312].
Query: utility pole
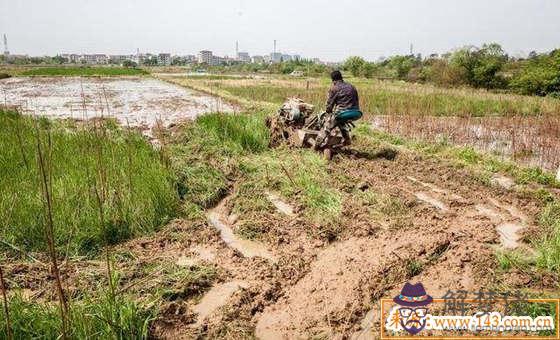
[274,46]
[411,46]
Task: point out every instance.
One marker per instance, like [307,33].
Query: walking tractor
[296,124]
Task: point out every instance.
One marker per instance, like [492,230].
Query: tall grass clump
[548,248]
[235,133]
[204,154]
[95,317]
[138,197]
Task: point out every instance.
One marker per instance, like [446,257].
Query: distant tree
[480,67]
[438,71]
[401,65]
[354,65]
[58,59]
[533,55]
[368,70]
[151,61]
[178,61]
[539,76]
[129,63]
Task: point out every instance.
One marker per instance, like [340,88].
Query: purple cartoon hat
[413,296]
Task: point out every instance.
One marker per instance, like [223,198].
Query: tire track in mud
[218,218]
[251,267]
[333,298]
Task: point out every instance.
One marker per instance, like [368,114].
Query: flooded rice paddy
[133,101]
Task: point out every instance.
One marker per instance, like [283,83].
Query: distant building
[296,57]
[257,59]
[71,58]
[275,57]
[95,58]
[164,59]
[205,57]
[216,60]
[286,57]
[243,57]
[120,58]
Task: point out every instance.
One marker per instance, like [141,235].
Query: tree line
[487,67]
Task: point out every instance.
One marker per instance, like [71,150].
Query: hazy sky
[330,30]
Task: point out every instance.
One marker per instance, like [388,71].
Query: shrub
[539,76]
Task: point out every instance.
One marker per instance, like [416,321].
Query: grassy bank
[72,71]
[87,168]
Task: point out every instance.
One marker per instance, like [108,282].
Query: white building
[71,58]
[164,59]
[205,57]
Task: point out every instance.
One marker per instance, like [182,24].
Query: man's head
[336,75]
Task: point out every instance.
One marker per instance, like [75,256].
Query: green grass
[139,192]
[95,317]
[548,247]
[83,71]
[207,150]
[509,259]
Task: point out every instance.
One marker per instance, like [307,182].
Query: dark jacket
[342,96]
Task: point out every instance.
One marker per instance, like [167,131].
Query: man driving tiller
[343,107]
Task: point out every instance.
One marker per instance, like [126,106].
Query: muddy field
[133,101]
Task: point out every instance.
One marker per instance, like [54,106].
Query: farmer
[343,106]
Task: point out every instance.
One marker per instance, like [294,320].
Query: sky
[329,30]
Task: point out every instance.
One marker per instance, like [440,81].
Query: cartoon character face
[413,319]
